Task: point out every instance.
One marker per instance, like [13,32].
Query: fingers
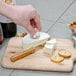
[30,29]
[37,22]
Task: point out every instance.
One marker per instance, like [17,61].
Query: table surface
[55,15]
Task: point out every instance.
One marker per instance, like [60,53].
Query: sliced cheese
[52,42]
[49,49]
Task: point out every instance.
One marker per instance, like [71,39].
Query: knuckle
[33,10]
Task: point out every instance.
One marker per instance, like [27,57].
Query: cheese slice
[49,49]
[28,42]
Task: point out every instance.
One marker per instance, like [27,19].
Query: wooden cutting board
[38,60]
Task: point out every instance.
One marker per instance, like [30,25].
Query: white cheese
[49,49]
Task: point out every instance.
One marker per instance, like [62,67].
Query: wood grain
[38,60]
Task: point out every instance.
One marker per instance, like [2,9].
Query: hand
[27,17]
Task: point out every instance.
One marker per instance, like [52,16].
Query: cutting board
[38,60]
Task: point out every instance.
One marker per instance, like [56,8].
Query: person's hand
[27,17]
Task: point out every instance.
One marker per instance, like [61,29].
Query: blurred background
[54,14]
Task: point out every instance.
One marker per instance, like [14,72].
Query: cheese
[49,49]
[50,46]
[52,42]
[28,42]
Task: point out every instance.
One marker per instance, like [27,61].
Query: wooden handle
[22,54]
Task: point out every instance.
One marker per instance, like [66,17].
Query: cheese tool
[22,54]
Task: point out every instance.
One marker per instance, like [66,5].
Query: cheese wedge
[28,42]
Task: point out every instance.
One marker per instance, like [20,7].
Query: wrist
[2,7]
[5,9]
